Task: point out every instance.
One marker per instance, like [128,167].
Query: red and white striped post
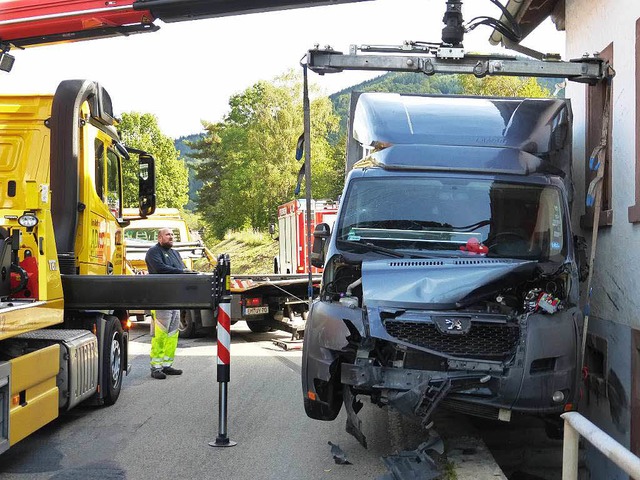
[224,351]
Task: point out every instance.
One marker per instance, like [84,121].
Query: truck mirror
[580,245]
[272,228]
[146,185]
[320,235]
[122,150]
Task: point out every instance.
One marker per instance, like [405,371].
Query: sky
[186,72]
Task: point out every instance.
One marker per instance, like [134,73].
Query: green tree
[247,161]
[141,131]
[503,86]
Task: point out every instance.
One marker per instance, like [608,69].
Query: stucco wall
[591,25]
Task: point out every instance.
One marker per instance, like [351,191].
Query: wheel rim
[184,321]
[116,360]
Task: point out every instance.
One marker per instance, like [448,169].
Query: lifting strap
[597,163]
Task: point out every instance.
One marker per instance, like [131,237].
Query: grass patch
[249,237]
[250,251]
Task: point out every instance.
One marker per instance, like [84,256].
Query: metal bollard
[570,452]
[224,355]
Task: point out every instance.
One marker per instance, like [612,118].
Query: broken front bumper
[529,364]
[493,363]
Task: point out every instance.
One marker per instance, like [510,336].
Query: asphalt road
[160,429]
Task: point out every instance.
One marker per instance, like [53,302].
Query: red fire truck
[293,254]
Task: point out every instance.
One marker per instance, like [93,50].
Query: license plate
[256,310]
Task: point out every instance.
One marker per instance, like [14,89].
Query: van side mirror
[146,185]
[580,246]
[321,234]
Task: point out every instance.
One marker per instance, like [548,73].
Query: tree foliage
[247,161]
[503,87]
[141,131]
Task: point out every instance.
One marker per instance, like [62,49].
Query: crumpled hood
[437,283]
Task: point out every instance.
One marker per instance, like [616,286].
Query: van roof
[534,125]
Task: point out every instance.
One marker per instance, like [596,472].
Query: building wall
[592,25]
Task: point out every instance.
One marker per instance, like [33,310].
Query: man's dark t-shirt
[164,260]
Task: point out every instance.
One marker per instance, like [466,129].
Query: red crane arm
[37,22]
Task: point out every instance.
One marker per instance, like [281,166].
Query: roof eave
[529,14]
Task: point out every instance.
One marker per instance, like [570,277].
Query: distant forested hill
[394,82]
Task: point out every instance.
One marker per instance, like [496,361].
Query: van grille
[487,341]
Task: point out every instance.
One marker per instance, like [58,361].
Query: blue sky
[186,72]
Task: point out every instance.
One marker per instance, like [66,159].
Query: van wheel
[329,404]
[188,325]
[258,327]
[554,428]
[112,360]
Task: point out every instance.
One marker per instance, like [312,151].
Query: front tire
[112,360]
[328,398]
[188,325]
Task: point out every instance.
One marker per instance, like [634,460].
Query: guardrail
[576,425]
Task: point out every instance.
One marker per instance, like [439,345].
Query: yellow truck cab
[60,216]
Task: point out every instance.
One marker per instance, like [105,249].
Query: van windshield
[150,235]
[487,217]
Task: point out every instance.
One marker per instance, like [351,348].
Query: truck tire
[258,327]
[112,360]
[188,324]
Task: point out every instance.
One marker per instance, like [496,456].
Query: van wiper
[370,247]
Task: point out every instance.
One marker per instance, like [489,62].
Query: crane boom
[181,10]
[35,22]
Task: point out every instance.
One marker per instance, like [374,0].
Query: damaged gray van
[450,277]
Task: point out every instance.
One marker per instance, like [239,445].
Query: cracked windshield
[486,217]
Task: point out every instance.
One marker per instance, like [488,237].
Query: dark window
[514,220]
[113,200]
[99,171]
[594,111]
[148,234]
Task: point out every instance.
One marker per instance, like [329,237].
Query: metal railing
[576,425]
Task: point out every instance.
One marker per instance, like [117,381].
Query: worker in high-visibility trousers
[161,258]
[164,343]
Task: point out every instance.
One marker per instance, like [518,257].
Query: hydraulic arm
[414,57]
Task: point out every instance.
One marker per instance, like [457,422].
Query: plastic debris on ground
[288,344]
[338,455]
[415,464]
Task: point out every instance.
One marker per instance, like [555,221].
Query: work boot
[171,371]
[157,374]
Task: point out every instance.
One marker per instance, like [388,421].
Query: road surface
[161,429]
